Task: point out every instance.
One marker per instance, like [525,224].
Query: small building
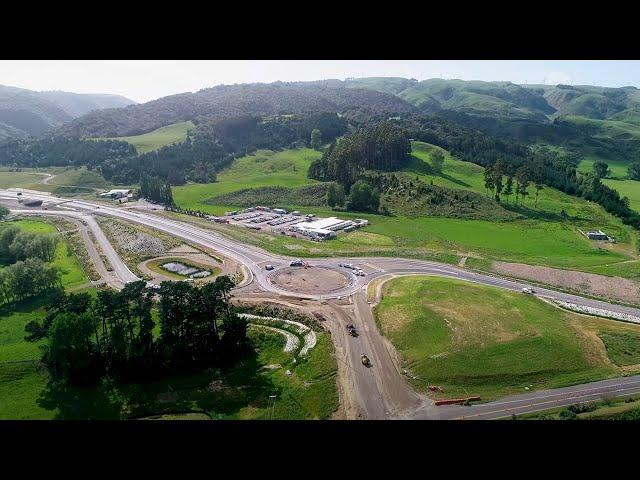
[596,235]
[318,233]
[117,193]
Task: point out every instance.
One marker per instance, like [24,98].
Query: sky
[144,80]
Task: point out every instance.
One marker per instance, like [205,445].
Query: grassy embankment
[478,340]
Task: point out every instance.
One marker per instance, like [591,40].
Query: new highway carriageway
[380,391]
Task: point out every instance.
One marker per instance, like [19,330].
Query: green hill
[159,137]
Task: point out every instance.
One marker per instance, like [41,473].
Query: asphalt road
[381,389]
[120,270]
[532,402]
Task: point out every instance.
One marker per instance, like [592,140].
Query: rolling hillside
[225,101]
[25,112]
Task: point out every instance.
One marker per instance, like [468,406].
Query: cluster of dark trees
[601,169]
[363,197]
[543,166]
[382,147]
[503,181]
[27,273]
[463,142]
[153,188]
[88,338]
[55,150]
[634,171]
[28,278]
[16,244]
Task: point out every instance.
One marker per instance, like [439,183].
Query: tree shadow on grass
[24,306]
[420,167]
[223,392]
[81,403]
[536,214]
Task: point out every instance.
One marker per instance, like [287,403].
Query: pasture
[156,139]
[479,340]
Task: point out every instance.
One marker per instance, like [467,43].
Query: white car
[527,290]
[268,267]
[296,263]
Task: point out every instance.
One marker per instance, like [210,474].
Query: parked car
[296,263]
[268,267]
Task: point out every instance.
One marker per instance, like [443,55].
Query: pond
[185,270]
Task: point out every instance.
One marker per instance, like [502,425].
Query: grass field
[22,378]
[264,168]
[24,178]
[541,238]
[478,340]
[618,179]
[158,138]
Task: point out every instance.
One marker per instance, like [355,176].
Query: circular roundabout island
[311,280]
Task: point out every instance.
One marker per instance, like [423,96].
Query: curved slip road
[120,270]
[382,390]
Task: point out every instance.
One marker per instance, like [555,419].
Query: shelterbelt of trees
[87,338]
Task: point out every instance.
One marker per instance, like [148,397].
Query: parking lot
[279,221]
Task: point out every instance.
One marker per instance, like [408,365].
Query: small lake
[185,270]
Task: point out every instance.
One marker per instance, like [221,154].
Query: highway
[381,390]
[532,402]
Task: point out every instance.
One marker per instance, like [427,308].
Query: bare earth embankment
[615,288]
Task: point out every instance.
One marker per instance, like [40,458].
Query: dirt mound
[311,280]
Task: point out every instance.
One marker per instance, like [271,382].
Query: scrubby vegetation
[309,195]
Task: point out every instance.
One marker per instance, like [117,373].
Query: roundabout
[311,280]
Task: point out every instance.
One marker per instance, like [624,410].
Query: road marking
[377,269]
[537,404]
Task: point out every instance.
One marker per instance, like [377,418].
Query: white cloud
[554,78]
